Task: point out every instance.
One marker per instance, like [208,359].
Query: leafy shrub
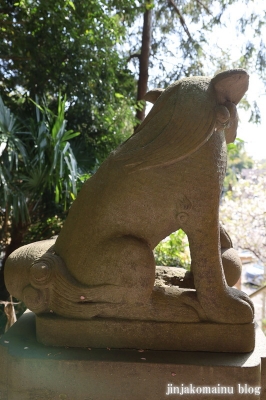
[173,250]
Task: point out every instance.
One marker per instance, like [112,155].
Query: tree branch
[205,8]
[134,55]
[144,61]
[181,18]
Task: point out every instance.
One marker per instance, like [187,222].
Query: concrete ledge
[31,371]
[102,333]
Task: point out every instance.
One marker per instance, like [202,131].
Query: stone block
[32,371]
[117,333]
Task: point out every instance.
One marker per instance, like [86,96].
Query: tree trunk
[144,61]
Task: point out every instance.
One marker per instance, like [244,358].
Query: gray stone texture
[32,371]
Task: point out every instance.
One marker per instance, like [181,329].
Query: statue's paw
[232,307]
[238,307]
[245,298]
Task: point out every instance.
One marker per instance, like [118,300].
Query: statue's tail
[36,275]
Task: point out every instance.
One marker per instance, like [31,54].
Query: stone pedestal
[32,371]
[101,333]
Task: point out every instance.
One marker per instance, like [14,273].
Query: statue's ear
[230,85]
[153,95]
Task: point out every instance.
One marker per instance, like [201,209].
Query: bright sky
[254,135]
[227,40]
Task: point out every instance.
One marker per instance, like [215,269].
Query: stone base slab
[31,371]
[102,333]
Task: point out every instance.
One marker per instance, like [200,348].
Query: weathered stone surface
[167,176]
[173,276]
[29,370]
[128,334]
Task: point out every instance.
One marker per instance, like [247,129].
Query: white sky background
[254,135]
[228,40]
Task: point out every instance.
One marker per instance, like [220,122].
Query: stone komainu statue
[167,175]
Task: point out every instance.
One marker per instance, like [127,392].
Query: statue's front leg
[220,302]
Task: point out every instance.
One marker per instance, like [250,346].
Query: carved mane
[181,121]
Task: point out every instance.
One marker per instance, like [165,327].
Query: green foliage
[173,250]
[12,153]
[237,160]
[44,228]
[180,40]
[188,39]
[39,178]
[52,163]
[51,46]
[82,48]
[261,164]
